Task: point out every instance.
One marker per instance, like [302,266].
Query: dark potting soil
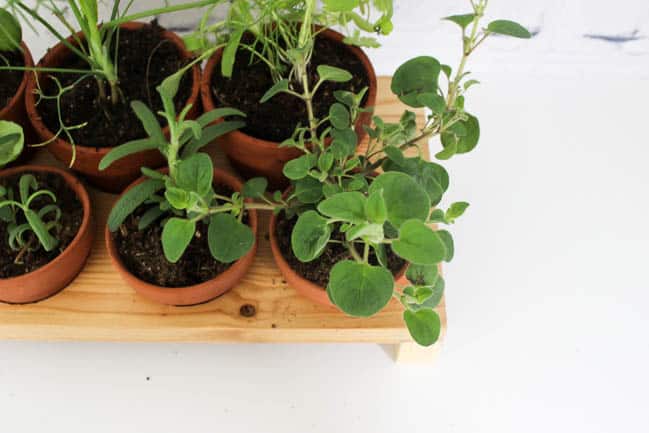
[142,254]
[318,270]
[10,80]
[71,219]
[276,119]
[145,59]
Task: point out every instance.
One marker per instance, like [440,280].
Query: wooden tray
[99,306]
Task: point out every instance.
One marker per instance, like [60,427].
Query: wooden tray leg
[412,353]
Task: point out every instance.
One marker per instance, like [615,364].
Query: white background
[546,297]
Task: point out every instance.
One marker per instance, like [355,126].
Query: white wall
[546,296]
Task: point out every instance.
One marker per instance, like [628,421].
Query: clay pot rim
[82,194]
[219,176]
[208,98]
[20,93]
[81,149]
[283,264]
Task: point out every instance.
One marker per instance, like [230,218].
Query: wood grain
[98,306]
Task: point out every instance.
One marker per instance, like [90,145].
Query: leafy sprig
[40,226]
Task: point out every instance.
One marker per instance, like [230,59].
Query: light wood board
[99,306]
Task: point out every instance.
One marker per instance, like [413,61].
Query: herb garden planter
[249,152]
[56,274]
[198,293]
[12,97]
[164,57]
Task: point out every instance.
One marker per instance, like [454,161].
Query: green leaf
[359,289]
[470,83]
[26,183]
[178,198]
[308,190]
[423,275]
[209,134]
[341,5]
[37,225]
[11,33]
[429,175]
[419,244]
[509,28]
[469,140]
[126,149]
[131,200]
[216,114]
[331,189]
[372,233]
[330,73]
[339,116]
[447,239]
[346,206]
[149,217]
[424,326]
[298,168]
[433,101]
[169,87]
[150,122]
[450,149]
[415,77]
[12,142]
[195,174]
[310,236]
[375,208]
[176,236]
[404,198]
[255,187]
[456,210]
[344,143]
[230,53]
[461,20]
[280,86]
[229,239]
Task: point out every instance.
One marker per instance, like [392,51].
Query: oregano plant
[393,212]
[185,196]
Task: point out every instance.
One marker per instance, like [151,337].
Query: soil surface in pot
[10,80]
[11,265]
[276,119]
[318,270]
[142,254]
[145,59]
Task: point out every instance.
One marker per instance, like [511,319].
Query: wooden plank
[98,306]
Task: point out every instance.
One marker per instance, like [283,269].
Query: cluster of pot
[250,156]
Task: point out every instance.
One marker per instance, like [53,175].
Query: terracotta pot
[255,157]
[303,286]
[199,293]
[15,110]
[121,173]
[57,274]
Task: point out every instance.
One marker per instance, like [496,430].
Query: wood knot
[247,310]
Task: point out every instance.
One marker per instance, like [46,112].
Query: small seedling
[29,229]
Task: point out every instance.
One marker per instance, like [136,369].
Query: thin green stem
[158,11]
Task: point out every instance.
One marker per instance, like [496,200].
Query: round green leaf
[298,168]
[310,236]
[375,208]
[11,33]
[228,238]
[424,326]
[467,142]
[339,116]
[423,275]
[415,77]
[447,239]
[195,174]
[308,190]
[404,198]
[359,289]
[419,244]
[346,206]
[255,187]
[176,236]
[12,142]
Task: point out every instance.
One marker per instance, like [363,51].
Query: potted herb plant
[183,235]
[349,232]
[79,99]
[45,231]
[15,59]
[286,44]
